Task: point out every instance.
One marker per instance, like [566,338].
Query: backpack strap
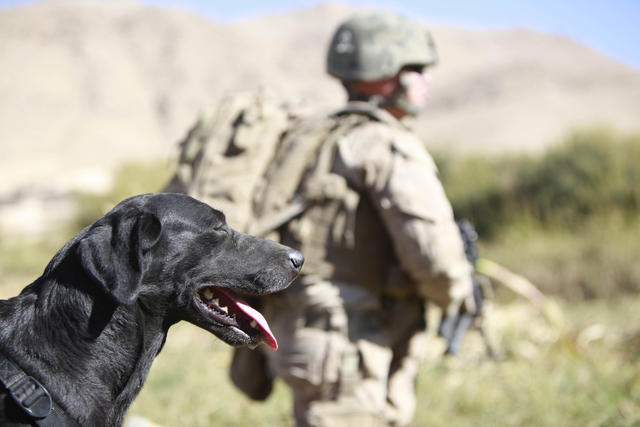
[370,111]
[268,223]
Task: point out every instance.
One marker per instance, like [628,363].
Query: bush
[593,173]
[567,220]
[482,189]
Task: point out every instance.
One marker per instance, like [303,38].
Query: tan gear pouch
[315,356]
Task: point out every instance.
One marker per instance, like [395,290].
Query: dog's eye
[219,229]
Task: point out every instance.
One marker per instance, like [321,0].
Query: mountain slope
[86,85]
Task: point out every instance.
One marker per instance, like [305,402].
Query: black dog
[89,328]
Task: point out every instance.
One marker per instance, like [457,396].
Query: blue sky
[610,26]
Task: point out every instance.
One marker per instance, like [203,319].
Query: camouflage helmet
[375,46]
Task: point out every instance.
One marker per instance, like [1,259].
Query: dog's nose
[297,259]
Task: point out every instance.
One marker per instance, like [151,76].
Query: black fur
[90,327]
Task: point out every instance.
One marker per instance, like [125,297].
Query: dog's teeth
[252,346]
[207,293]
[216,301]
[253,324]
[225,309]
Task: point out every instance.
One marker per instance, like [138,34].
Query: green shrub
[593,173]
[483,189]
[567,220]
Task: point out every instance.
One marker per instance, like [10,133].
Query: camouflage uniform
[379,239]
[351,330]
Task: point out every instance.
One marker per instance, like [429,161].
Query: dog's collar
[32,397]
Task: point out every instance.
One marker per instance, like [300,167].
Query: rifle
[453,327]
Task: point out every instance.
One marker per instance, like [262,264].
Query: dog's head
[176,257]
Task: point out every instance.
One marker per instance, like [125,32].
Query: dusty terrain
[85,85]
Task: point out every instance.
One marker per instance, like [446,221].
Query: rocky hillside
[86,85]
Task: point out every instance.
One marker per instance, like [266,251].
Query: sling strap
[32,397]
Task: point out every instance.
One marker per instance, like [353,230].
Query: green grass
[581,372]
[189,386]
[583,375]
[579,367]
[568,221]
[600,260]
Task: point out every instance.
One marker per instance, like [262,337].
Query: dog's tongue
[269,339]
[255,315]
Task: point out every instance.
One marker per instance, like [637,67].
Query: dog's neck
[82,342]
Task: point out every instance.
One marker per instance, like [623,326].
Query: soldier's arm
[401,180]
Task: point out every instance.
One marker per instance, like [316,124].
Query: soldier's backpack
[253,139]
[226,152]
[248,158]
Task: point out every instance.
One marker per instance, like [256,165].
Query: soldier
[378,234]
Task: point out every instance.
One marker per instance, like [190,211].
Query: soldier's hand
[469,305]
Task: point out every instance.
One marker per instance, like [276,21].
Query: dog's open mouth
[227,308]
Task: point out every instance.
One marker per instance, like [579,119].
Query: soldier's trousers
[350,357]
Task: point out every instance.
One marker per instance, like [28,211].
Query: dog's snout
[297,259]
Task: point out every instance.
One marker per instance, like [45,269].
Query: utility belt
[323,303]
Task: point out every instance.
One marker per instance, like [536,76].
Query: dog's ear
[149,231]
[114,253]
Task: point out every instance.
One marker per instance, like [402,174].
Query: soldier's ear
[114,253]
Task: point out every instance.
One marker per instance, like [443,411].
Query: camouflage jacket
[386,223]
